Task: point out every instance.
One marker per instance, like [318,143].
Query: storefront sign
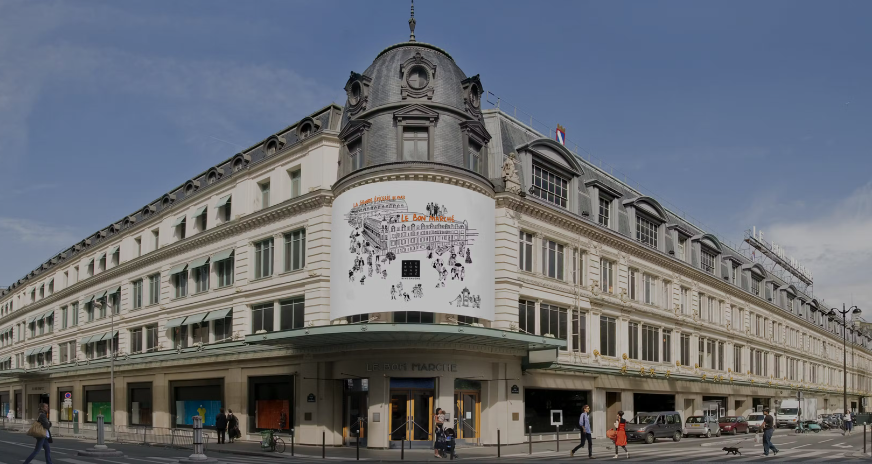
[412,246]
[310,398]
[515,390]
[36,390]
[413,367]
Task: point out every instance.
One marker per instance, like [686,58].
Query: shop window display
[197,398]
[65,405]
[538,404]
[270,400]
[139,406]
[97,402]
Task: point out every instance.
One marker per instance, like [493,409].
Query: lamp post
[854,310]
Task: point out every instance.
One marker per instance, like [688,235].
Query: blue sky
[739,113]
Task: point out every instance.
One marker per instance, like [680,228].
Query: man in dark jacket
[221,426]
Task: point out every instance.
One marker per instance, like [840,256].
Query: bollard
[358,445]
[199,454]
[100,449]
[864,438]
[292,442]
[323,445]
[498,443]
[558,437]
[403,448]
[530,438]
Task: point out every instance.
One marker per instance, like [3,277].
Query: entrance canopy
[435,335]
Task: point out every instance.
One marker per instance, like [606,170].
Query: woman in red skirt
[621,434]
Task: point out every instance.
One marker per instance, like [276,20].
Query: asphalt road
[822,447]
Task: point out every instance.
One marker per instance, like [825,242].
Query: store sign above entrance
[412,246]
[414,367]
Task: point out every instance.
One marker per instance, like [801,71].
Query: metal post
[864,438]
[323,445]
[498,443]
[358,443]
[530,438]
[844,362]
[292,442]
[403,448]
[558,437]
[100,449]
[101,439]
[112,349]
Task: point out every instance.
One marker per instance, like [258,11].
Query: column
[598,413]
[622,338]
[594,335]
[627,405]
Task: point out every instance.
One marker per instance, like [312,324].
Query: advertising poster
[97,408]
[273,414]
[207,410]
[412,246]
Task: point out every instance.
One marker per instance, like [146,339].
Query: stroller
[445,443]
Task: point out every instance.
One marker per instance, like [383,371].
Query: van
[755,422]
[649,426]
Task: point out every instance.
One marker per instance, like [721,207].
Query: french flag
[561,135]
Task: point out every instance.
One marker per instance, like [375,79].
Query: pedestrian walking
[584,424]
[232,426]
[221,426]
[768,430]
[621,434]
[43,438]
[439,420]
[849,422]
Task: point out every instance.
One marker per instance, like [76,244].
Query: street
[821,447]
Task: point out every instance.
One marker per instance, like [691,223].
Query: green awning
[45,349]
[113,250]
[199,262]
[179,220]
[100,295]
[177,322]
[102,255]
[223,201]
[108,335]
[32,318]
[88,300]
[90,262]
[222,255]
[85,340]
[4,359]
[40,317]
[199,211]
[177,269]
[29,352]
[49,314]
[217,314]
[195,319]
[50,282]
[115,290]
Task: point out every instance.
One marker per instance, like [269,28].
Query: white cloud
[17,232]
[835,245]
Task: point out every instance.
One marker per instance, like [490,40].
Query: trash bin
[75,422]
[266,438]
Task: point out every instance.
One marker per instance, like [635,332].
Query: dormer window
[474,158]
[707,261]
[355,154]
[549,186]
[605,212]
[271,148]
[306,130]
[416,141]
[646,232]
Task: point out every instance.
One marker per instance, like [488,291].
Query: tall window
[64,317]
[632,284]
[608,332]
[182,227]
[682,249]
[474,157]
[646,232]
[224,271]
[295,250]
[553,321]
[549,186]
[154,289]
[224,328]
[707,262]
[579,331]
[292,313]
[137,247]
[263,258]
[155,234]
[416,143]
[633,340]
[527,316]
[355,154]
[74,307]
[648,289]
[734,274]
[296,182]
[552,259]
[180,282]
[720,356]
[605,212]
[684,349]
[685,298]
[136,340]
[180,337]
[607,275]
[137,294]
[151,342]
[264,195]
[262,317]
[650,343]
[737,359]
[667,345]
[525,251]
[201,278]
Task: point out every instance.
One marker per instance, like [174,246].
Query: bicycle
[273,442]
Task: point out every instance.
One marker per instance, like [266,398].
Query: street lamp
[854,310]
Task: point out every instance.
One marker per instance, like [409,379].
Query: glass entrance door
[411,413]
[467,410]
[355,417]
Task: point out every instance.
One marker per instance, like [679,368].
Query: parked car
[704,426]
[755,422]
[733,424]
[649,426]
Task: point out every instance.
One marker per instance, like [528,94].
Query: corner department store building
[390,257]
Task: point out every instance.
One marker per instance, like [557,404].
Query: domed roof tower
[413,104]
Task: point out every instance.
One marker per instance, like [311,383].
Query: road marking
[74,461]
[842,445]
[115,462]
[798,447]
[831,439]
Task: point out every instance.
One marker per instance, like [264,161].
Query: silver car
[704,426]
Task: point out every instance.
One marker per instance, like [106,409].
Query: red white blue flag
[561,135]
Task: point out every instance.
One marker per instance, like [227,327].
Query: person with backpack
[584,425]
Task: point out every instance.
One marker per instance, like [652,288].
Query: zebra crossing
[222,459]
[681,455]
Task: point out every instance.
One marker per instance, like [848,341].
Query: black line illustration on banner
[385,233]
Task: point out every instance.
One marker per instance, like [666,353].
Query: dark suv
[649,426]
